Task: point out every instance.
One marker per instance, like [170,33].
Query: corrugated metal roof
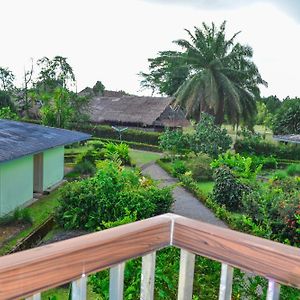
[290,138]
[18,139]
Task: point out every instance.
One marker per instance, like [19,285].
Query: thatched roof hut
[155,112]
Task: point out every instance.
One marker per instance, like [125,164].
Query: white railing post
[79,288]
[273,290]
[148,276]
[116,282]
[35,297]
[186,275]
[226,282]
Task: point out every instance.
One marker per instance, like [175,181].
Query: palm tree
[222,80]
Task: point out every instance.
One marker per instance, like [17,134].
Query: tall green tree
[222,79]
[166,74]
[6,79]
[54,73]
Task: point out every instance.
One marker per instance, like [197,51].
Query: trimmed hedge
[131,135]
[281,151]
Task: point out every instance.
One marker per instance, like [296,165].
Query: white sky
[112,40]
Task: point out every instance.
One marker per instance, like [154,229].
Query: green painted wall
[16,183]
[53,172]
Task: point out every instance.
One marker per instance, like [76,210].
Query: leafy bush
[8,114]
[85,168]
[178,167]
[200,167]
[253,144]
[293,170]
[209,138]
[107,197]
[91,155]
[98,145]
[228,190]
[117,151]
[133,135]
[279,175]
[287,118]
[174,141]
[241,166]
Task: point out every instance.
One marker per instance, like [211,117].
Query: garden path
[185,203]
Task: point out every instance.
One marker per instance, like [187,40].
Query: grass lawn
[140,157]
[206,186]
[39,212]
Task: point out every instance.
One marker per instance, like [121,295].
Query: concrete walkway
[185,203]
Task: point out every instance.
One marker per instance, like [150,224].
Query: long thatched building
[148,112]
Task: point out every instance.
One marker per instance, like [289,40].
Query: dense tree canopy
[221,78]
[287,118]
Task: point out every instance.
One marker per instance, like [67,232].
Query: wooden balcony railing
[27,273]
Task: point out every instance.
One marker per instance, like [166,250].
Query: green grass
[206,187]
[61,293]
[39,212]
[140,157]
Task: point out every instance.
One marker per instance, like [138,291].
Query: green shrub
[91,155]
[174,141]
[253,144]
[178,167]
[107,197]
[132,135]
[293,170]
[200,167]
[279,175]
[85,168]
[228,190]
[287,118]
[241,166]
[96,144]
[117,151]
[209,138]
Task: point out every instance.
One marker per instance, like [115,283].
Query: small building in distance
[31,160]
[155,113]
[288,138]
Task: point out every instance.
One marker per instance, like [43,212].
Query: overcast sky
[111,40]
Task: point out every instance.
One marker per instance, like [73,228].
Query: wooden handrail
[270,259]
[25,273]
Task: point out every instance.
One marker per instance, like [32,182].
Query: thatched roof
[290,138]
[18,139]
[137,111]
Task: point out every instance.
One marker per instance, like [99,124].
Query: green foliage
[106,132]
[287,118]
[209,138]
[54,73]
[98,88]
[178,167]
[108,196]
[223,80]
[174,142]
[117,151]
[166,75]
[91,155]
[5,100]
[85,167]
[228,189]
[6,79]
[97,145]
[253,144]
[293,170]
[19,215]
[200,167]
[8,114]
[241,166]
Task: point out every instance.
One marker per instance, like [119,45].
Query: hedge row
[134,145]
[130,135]
[280,151]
